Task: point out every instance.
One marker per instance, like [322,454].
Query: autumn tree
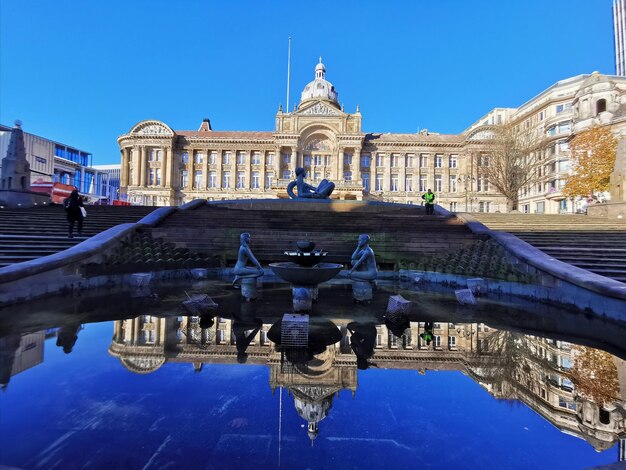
[593,155]
[594,375]
[514,157]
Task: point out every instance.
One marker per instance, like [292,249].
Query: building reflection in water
[580,390]
[20,352]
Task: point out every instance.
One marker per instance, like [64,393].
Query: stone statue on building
[363,261]
[245,256]
[307,191]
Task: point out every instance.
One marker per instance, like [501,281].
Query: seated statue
[363,261]
[307,191]
[242,270]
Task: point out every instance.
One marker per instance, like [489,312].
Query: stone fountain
[305,271]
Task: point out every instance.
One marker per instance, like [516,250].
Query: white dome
[320,88]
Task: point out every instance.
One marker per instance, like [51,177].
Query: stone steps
[27,234]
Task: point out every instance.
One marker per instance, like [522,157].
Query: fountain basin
[304,275]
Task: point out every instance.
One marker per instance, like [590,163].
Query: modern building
[110,181]
[53,161]
[161,166]
[619,33]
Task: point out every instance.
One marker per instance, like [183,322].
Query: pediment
[320,109]
[152,128]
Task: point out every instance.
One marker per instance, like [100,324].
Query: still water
[128,379]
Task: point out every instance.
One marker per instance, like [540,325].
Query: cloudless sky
[83,72]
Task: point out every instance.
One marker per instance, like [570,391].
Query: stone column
[124,167]
[205,170]
[166,168]
[142,166]
[402,173]
[190,170]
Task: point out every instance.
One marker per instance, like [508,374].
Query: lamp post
[465,179]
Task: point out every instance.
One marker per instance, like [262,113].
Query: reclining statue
[307,191]
[242,270]
[363,261]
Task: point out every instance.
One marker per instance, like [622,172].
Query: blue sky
[84,72]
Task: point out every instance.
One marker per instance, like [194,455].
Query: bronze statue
[363,261]
[307,191]
[242,270]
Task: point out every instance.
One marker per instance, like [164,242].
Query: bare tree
[514,159]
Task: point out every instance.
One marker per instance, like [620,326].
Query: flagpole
[288,71]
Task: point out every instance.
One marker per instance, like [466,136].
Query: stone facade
[161,166]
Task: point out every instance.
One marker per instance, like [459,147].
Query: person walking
[74,210]
[429,199]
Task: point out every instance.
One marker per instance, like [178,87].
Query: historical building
[161,166]
[533,370]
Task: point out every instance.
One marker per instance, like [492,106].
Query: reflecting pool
[128,379]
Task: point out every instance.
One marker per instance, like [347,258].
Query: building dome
[320,88]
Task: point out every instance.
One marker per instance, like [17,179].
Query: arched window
[600,106]
[605,416]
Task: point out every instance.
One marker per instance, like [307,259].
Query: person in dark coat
[72,208]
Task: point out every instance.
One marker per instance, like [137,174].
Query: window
[365,161]
[256,158]
[600,106]
[423,183]
[197,179]
[438,183]
[347,176]
[541,116]
[255,180]
[327,160]
[483,160]
[409,160]
[226,180]
[226,158]
[317,159]
[307,160]
[155,155]
[451,342]
[395,160]
[269,159]
[563,107]
[212,179]
[550,131]
[423,160]
[453,207]
[567,404]
[317,176]
[453,161]
[241,158]
[184,157]
[408,183]
[437,341]
[199,158]
[347,159]
[365,177]
[482,184]
[212,158]
[286,174]
[438,161]
[286,158]
[452,184]
[379,182]
[269,177]
[380,160]
[394,183]
[564,126]
[484,206]
[184,178]
[241,180]
[155,177]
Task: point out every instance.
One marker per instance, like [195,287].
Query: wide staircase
[596,244]
[26,234]
[397,232]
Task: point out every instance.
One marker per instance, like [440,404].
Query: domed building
[162,166]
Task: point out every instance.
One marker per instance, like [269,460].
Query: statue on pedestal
[363,261]
[307,191]
[242,270]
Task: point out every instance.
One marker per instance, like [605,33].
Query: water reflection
[576,388]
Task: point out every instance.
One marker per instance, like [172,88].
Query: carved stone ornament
[316,392]
[321,109]
[153,129]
